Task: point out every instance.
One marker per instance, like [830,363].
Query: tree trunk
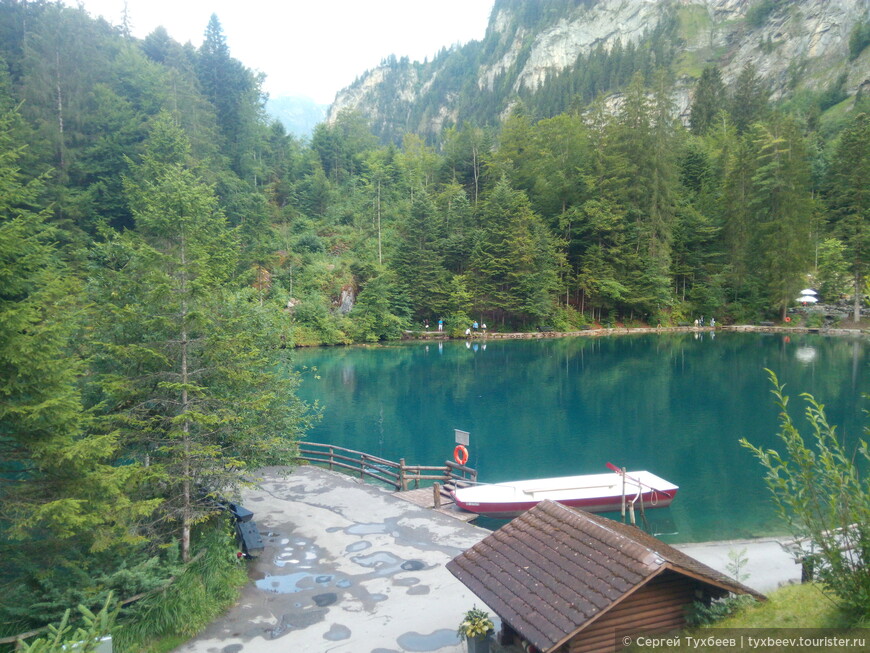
[187,502]
[856,314]
[59,92]
[380,256]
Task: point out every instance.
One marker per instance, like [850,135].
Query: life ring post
[460,455]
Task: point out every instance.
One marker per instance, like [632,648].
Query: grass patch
[792,606]
[806,607]
[694,23]
[202,592]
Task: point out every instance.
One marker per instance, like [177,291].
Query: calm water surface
[673,404]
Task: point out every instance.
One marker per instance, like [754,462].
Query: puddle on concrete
[413,565]
[366,529]
[418,590]
[295,551]
[286,583]
[406,582]
[379,560]
[431,642]
[323,600]
[356,547]
[378,597]
[385,563]
[297,621]
[336,633]
[299,581]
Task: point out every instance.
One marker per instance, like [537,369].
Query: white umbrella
[808,291]
[807,299]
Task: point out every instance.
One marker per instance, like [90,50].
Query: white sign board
[462,437]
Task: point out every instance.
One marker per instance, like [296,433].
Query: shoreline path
[350,568]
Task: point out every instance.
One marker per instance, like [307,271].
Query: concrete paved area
[767,567]
[351,568]
[347,568]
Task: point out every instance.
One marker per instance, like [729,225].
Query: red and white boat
[591,492]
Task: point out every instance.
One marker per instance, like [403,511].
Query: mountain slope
[552,52]
[299,115]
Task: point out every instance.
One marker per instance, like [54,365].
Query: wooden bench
[545,329]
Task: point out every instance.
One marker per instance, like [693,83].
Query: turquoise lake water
[673,404]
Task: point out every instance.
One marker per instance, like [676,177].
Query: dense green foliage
[144,355]
[63,637]
[163,247]
[818,490]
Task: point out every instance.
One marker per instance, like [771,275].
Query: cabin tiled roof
[554,569]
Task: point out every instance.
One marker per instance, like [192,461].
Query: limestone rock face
[800,43]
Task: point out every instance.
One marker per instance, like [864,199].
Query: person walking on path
[440,324]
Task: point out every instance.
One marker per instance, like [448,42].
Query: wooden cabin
[568,581]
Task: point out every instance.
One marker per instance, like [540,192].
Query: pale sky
[311,48]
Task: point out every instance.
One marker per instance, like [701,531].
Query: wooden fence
[395,474]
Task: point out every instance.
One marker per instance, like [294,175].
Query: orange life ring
[460,455]
[788,319]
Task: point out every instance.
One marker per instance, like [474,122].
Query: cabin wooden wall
[658,607]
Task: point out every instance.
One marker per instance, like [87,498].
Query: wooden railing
[396,474]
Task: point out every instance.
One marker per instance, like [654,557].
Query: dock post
[330,458]
[402,482]
[623,494]
[436,495]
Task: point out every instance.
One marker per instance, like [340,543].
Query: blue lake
[674,404]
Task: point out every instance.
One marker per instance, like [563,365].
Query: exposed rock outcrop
[796,44]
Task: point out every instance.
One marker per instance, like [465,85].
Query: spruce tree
[190,367]
[418,260]
[781,208]
[708,101]
[61,499]
[849,200]
[513,271]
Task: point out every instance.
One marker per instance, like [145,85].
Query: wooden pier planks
[425,498]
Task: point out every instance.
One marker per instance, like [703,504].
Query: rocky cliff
[793,44]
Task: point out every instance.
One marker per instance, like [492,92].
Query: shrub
[702,614]
[820,494]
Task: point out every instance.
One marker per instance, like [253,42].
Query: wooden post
[402,485]
[436,495]
[331,451]
[623,495]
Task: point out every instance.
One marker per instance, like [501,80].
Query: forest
[165,246]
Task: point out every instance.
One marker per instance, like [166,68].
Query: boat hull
[593,493]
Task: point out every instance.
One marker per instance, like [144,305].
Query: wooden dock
[428,497]
[400,476]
